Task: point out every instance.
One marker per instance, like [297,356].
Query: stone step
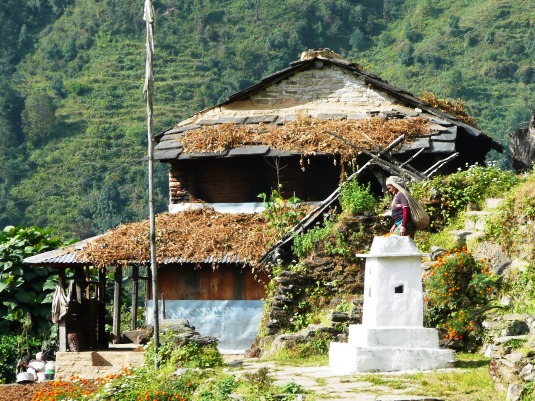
[94,364]
[467,235]
[476,220]
[493,203]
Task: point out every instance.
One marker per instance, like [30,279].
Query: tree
[110,207]
[38,117]
[23,290]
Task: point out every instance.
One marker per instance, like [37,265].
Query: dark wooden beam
[117,305]
[62,326]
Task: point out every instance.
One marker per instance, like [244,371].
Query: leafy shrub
[445,196]
[145,383]
[25,290]
[281,212]
[304,243]
[193,355]
[217,390]
[512,226]
[518,285]
[356,198]
[189,355]
[457,286]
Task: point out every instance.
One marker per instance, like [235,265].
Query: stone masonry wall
[322,283]
[326,84]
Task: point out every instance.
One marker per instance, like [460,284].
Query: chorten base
[346,357]
[388,349]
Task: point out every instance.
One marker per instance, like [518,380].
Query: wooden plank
[255,287]
[238,286]
[227,292]
[135,288]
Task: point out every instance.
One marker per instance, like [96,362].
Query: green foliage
[218,389]
[38,118]
[512,226]
[356,198]
[304,243]
[24,290]
[457,287]
[189,355]
[445,196]
[528,393]
[12,348]
[281,213]
[146,383]
[193,355]
[518,285]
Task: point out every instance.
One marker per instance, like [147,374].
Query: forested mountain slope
[72,121]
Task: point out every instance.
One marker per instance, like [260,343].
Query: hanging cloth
[60,302]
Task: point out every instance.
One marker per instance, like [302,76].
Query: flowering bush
[457,287]
[74,388]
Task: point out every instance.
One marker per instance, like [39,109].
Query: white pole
[148,16]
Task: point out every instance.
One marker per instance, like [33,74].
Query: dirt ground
[20,392]
[26,392]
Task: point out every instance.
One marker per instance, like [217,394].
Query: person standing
[401,211]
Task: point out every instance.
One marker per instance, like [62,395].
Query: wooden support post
[79,278]
[117,305]
[135,278]
[62,326]
[102,336]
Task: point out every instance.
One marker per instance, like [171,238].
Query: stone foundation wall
[323,280]
[511,351]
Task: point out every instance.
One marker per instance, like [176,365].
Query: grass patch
[470,381]
[289,358]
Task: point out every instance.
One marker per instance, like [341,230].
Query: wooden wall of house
[242,179]
[182,282]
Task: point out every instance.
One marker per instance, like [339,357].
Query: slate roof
[444,130]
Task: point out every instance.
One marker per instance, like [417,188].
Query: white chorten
[391,336]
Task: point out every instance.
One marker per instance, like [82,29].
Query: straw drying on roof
[307,135]
[454,107]
[193,236]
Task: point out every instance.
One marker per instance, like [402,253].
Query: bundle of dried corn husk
[307,135]
[454,107]
[192,236]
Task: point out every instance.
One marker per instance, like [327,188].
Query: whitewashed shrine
[391,336]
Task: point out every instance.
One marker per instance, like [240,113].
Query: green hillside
[72,121]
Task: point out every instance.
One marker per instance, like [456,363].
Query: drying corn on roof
[194,236]
[306,135]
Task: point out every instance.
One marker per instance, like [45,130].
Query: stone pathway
[325,383]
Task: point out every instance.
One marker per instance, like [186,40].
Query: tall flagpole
[148,16]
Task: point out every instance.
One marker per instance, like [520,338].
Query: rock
[339,317]
[502,340]
[494,255]
[435,252]
[514,391]
[526,372]
[286,341]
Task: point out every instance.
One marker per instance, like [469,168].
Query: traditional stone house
[224,156]
[298,131]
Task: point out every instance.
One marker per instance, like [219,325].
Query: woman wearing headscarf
[401,211]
